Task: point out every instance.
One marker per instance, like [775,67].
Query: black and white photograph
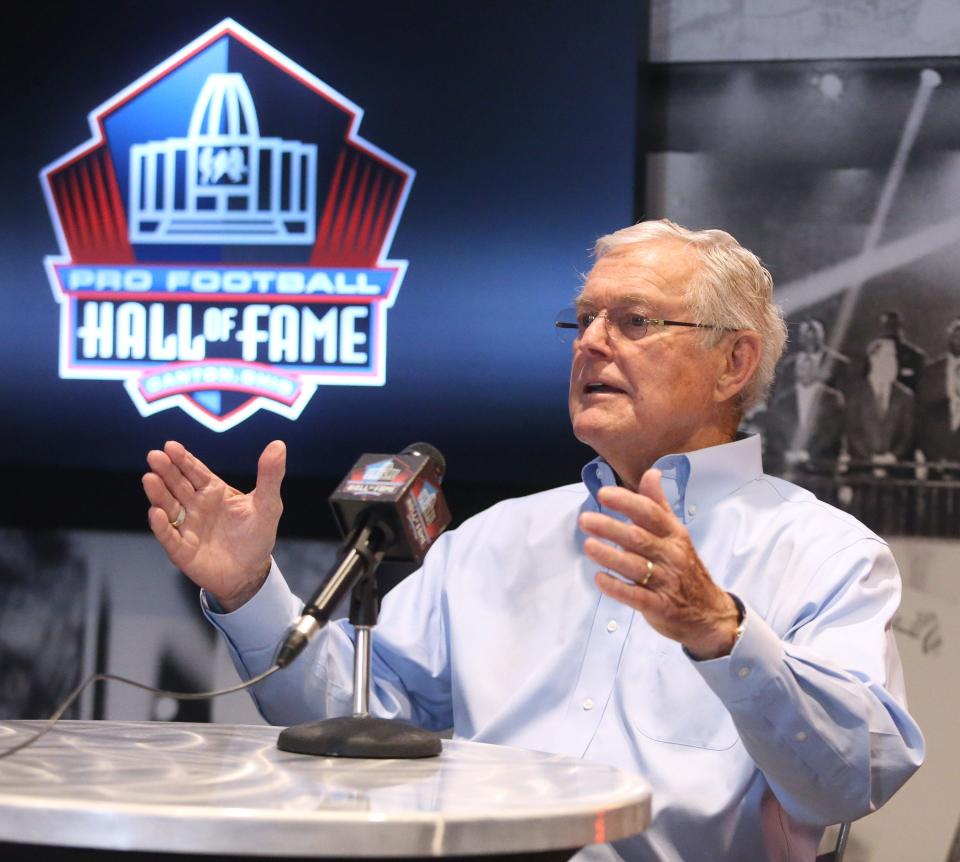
[846,174]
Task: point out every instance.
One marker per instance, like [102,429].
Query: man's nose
[596,337]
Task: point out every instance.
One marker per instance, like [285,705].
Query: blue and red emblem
[224,237]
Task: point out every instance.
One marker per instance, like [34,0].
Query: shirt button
[692,509]
[801,736]
[588,704]
[612,626]
[744,672]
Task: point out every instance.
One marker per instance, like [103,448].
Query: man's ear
[741,356]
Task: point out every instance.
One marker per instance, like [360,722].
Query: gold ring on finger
[646,577]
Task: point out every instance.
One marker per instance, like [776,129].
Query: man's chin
[592,432]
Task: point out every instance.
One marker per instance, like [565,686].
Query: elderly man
[677,613]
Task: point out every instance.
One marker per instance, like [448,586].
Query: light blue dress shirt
[503,635]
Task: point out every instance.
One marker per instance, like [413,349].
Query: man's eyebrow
[633,299]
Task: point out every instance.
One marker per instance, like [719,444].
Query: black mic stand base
[359,736]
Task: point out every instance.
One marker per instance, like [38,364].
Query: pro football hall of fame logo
[224,237]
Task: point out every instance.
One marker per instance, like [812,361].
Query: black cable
[105,677]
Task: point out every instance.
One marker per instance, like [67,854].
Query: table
[178,788]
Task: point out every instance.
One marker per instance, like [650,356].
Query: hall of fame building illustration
[223,182]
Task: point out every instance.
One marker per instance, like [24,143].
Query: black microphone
[388,507]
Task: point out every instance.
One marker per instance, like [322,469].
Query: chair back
[836,855]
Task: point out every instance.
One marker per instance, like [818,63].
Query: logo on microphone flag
[224,237]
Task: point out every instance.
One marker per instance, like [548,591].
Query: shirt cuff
[258,623]
[756,657]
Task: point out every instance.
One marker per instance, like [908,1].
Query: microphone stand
[360,734]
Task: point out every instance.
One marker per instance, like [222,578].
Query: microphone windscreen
[432,452]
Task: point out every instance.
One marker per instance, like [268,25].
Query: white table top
[207,788]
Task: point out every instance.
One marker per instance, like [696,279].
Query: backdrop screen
[347,226]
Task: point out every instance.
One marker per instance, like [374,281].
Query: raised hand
[217,536]
[668,584]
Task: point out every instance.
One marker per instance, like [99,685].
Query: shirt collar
[693,481]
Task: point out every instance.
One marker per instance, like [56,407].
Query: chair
[836,855]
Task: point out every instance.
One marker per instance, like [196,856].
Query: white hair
[731,290]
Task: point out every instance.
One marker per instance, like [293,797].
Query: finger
[270,472]
[169,538]
[159,495]
[651,487]
[628,535]
[629,594]
[196,472]
[640,509]
[171,475]
[630,565]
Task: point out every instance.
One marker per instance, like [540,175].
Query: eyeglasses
[572,323]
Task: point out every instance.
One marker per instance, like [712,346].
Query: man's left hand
[669,584]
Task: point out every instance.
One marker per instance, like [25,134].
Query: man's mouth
[595,388]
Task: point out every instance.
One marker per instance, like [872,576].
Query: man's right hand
[226,538]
